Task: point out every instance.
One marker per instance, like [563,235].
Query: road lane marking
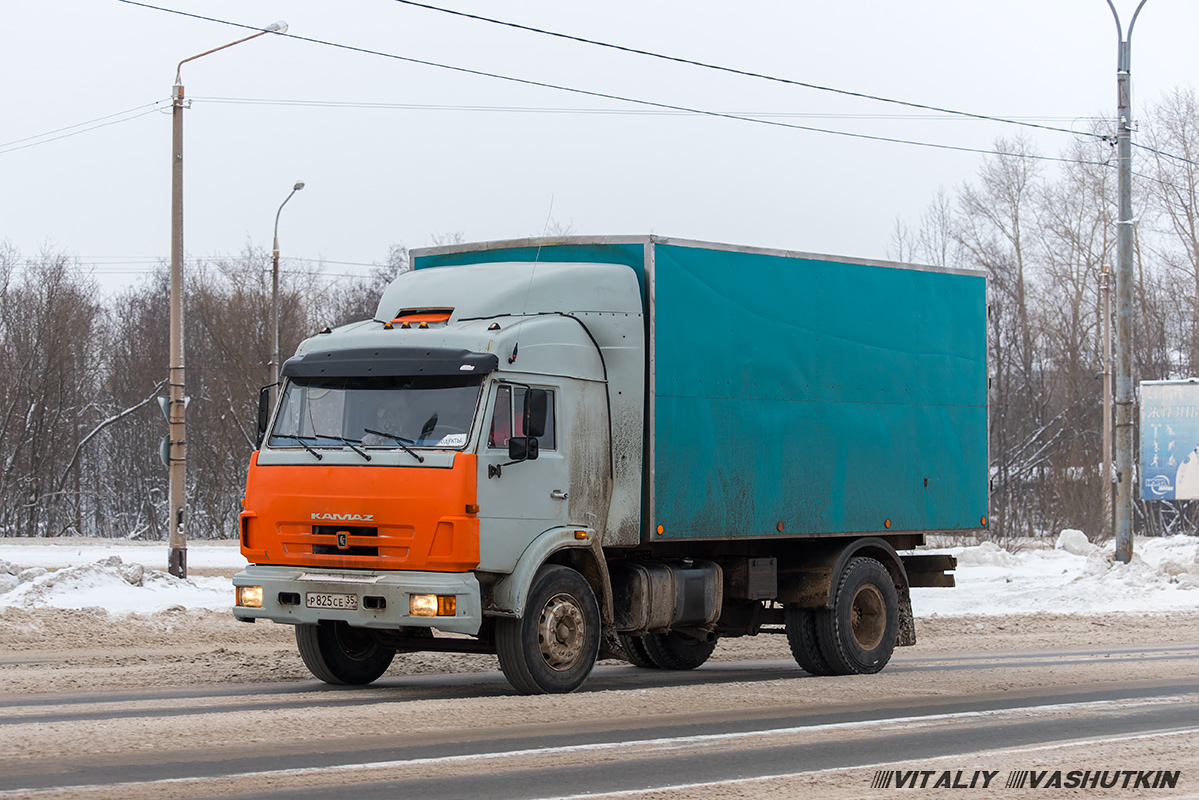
[639,745]
[786,775]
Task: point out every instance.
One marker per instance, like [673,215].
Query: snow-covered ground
[1072,577]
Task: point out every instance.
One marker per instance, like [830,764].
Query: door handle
[559,494]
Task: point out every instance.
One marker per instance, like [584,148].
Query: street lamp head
[299,185]
[274,27]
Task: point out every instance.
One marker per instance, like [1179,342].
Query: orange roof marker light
[423,316]
[661,530]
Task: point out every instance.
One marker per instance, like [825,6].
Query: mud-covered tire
[336,653]
[677,651]
[634,651]
[802,637]
[552,648]
[857,636]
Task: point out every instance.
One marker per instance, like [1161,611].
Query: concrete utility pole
[275,294]
[1105,288]
[1125,398]
[177,407]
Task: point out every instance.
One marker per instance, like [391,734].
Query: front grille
[331,548]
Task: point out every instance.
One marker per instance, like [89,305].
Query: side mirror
[523,448]
[264,413]
[536,403]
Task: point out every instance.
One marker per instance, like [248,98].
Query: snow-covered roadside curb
[1075,577]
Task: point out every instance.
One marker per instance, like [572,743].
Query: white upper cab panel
[481,291]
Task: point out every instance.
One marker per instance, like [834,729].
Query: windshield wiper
[347,442]
[299,439]
[400,441]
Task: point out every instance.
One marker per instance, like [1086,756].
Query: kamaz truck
[564,449]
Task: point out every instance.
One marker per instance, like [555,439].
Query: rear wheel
[857,636]
[802,637]
[634,650]
[677,651]
[336,653]
[553,647]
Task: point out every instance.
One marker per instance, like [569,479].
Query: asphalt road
[614,750]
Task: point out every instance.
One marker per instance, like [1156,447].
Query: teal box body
[801,395]
[790,394]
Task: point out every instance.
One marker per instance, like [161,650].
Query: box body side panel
[826,398]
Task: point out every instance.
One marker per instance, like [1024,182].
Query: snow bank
[110,585]
[1076,577]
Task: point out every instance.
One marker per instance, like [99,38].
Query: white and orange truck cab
[561,449]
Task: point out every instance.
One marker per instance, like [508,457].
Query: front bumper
[281,584]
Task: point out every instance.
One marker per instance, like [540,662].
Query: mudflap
[906,635]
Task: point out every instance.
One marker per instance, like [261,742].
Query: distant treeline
[80,424]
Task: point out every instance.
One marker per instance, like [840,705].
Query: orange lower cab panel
[351,517]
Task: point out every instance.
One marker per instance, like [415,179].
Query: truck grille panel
[332,537]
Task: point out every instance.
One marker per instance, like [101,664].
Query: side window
[501,419]
[507,419]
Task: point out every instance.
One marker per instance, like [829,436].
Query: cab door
[517,502]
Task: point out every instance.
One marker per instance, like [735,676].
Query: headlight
[249,596]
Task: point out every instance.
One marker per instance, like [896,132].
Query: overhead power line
[266,101]
[735,71]
[1164,154]
[81,127]
[146,264]
[616,97]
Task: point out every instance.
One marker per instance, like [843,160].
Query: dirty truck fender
[510,593]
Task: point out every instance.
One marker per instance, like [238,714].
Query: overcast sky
[399,153]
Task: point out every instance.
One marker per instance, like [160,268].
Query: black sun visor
[389,361]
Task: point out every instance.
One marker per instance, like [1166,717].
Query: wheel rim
[868,617]
[561,631]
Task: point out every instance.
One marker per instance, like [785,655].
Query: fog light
[423,605]
[249,596]
[432,605]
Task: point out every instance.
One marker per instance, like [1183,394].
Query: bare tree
[50,323]
[996,233]
[357,298]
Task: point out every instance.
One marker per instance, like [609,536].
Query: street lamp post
[275,292]
[176,496]
[1124,244]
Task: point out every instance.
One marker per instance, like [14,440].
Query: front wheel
[336,653]
[857,635]
[552,648]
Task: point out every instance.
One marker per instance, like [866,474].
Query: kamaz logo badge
[345,517]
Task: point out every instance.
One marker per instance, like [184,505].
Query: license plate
[344,602]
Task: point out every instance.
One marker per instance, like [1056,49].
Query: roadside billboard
[1170,440]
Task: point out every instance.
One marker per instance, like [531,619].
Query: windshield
[419,411]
